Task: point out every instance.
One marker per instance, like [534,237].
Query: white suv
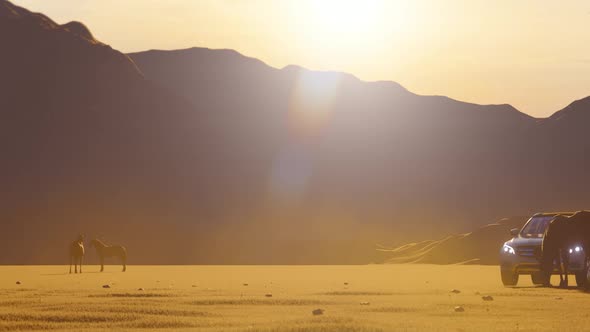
[522,254]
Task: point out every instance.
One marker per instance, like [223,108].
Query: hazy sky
[533,54]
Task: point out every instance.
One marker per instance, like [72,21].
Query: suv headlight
[508,250]
[576,249]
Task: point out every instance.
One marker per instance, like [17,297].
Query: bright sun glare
[344,16]
[358,29]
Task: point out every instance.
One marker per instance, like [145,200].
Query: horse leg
[81,258]
[565,269]
[562,271]
[101,263]
[71,264]
[124,261]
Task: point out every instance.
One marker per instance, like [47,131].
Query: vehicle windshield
[536,226]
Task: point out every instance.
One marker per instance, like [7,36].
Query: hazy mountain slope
[379,143]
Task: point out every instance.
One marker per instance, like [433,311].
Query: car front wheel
[509,278]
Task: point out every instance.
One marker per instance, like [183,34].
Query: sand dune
[478,247]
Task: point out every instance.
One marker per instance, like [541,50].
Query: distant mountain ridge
[207,156]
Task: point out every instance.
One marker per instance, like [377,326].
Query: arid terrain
[354,298]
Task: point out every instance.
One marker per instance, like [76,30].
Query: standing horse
[77,254]
[562,233]
[580,235]
[554,248]
[103,250]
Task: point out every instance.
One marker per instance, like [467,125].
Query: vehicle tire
[538,279]
[509,278]
[581,279]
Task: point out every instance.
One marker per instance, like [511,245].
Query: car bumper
[529,265]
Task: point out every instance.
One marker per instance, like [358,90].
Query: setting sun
[341,18]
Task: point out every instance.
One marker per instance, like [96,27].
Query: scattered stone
[559,298]
[456,291]
[487,298]
[318,312]
[459,309]
[106,286]
[268,295]
[194,286]
[365,303]
[18,282]
[345,284]
[140,289]
[245,284]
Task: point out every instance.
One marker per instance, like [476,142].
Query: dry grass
[214,298]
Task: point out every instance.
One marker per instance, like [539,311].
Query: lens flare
[312,100]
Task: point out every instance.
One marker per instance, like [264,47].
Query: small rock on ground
[365,303]
[18,282]
[317,312]
[140,289]
[106,286]
[459,309]
[487,298]
[268,295]
[456,291]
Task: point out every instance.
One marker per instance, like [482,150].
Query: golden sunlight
[360,29]
[344,16]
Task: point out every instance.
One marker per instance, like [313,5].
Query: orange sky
[532,54]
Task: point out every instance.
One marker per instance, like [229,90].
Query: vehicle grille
[528,251]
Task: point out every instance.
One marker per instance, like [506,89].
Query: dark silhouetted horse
[77,254]
[104,251]
[562,233]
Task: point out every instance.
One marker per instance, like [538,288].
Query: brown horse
[561,233]
[555,243]
[77,254]
[103,250]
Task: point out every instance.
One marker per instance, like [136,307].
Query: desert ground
[281,298]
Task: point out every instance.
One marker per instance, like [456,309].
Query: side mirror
[514,231]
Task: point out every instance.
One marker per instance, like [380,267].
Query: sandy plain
[408,297]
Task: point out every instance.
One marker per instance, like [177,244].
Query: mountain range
[208,156]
